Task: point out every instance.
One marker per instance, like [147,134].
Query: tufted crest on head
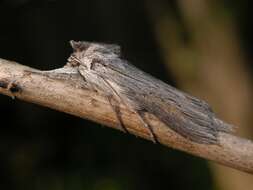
[79,46]
[82,46]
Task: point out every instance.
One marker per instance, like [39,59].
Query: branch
[67,96]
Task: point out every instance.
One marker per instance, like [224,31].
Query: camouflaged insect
[104,71]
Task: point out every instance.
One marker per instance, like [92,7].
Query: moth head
[86,52]
[88,48]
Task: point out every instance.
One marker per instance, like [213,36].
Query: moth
[104,71]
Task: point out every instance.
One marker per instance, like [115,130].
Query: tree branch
[69,97]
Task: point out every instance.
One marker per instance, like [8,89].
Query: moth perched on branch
[98,85]
[104,71]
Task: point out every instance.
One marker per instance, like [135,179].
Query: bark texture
[70,97]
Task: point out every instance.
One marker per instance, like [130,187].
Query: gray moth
[102,68]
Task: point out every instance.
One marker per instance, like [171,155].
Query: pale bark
[67,95]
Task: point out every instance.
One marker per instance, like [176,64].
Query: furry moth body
[104,71]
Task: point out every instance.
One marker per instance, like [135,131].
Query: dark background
[45,149]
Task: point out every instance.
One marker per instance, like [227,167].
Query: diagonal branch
[68,96]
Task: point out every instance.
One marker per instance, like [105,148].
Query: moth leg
[145,123]
[116,110]
[109,97]
[138,113]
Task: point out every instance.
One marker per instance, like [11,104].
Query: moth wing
[193,126]
[190,117]
[113,48]
[190,124]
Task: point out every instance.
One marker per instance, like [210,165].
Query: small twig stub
[11,86]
